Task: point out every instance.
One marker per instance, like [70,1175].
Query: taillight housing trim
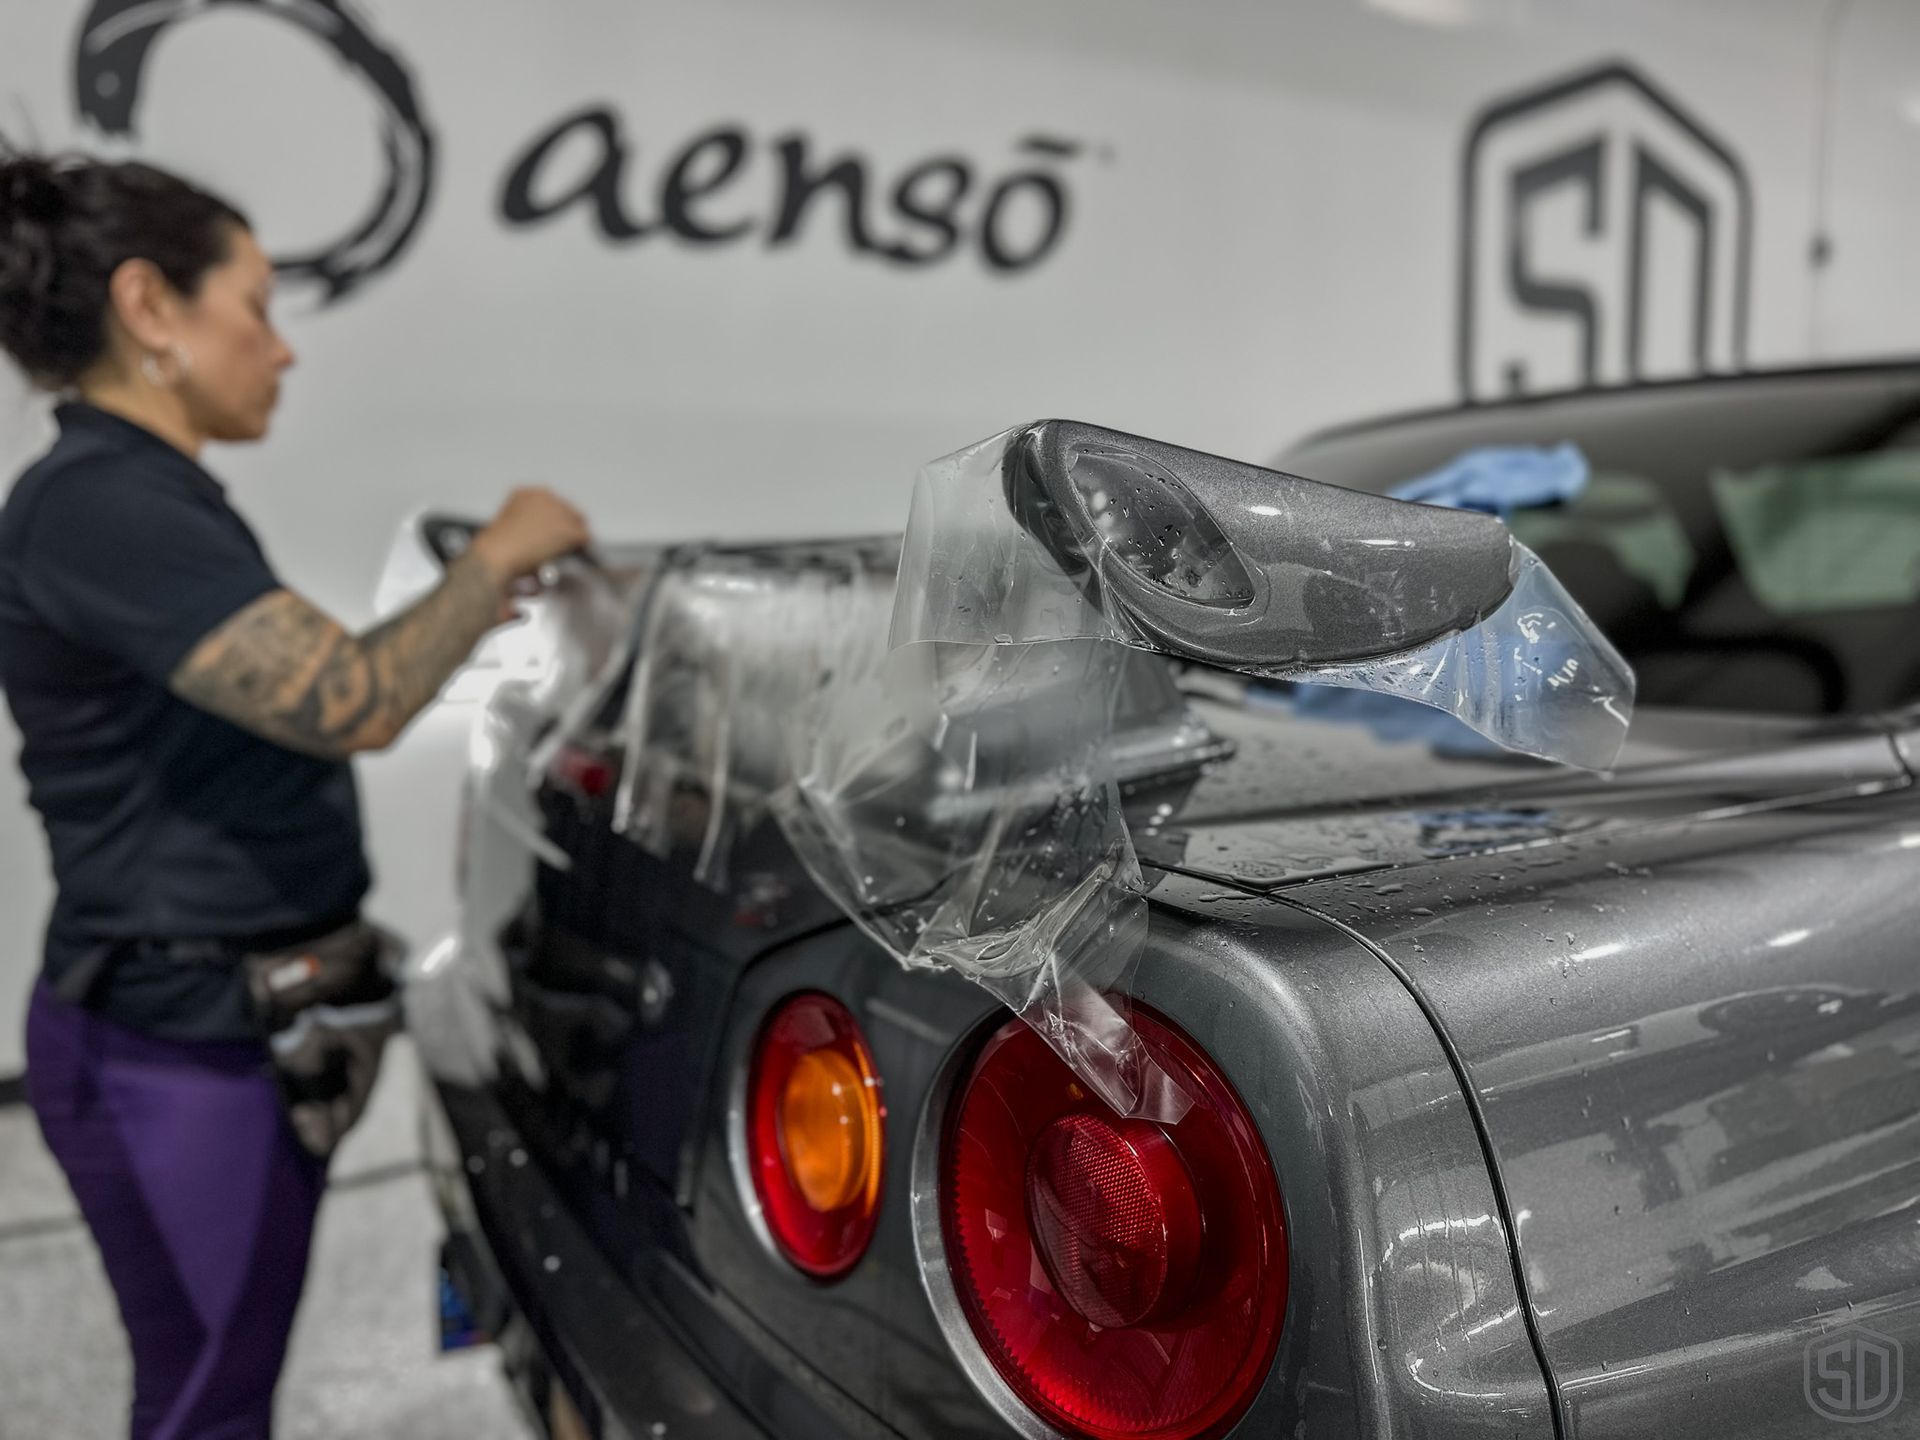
[931,1244]
[930,1241]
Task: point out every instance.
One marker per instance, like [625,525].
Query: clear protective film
[964,804]
[737,647]
[1058,531]
[1536,675]
[531,679]
[962,800]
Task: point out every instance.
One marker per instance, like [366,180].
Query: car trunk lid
[1309,797]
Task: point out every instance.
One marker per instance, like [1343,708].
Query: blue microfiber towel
[1500,479]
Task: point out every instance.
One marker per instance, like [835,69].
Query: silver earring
[158,378]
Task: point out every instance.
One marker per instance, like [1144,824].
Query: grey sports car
[1515,1099]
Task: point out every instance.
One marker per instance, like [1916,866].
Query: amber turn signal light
[815,1134]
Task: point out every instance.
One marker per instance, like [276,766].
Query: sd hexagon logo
[1854,1375]
[1606,237]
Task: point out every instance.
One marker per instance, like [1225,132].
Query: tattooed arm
[286,671]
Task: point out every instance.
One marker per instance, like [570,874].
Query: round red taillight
[1114,1217]
[815,1121]
[1125,1279]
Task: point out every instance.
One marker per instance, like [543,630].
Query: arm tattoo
[287,672]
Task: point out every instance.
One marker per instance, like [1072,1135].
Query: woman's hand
[534,527]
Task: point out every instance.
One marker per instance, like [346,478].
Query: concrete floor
[364,1361]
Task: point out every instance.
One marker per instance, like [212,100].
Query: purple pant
[200,1199]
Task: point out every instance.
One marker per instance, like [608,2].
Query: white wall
[1264,235]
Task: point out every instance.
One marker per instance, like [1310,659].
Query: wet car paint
[1307,798]
[1685,1007]
[1407,1316]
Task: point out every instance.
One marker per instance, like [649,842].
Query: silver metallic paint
[1697,1050]
[1404,1317]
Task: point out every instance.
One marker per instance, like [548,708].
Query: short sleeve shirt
[118,554]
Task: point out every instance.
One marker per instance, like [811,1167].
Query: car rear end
[1319,1229]
[731,1170]
[1324,1246]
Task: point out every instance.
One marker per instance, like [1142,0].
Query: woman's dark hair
[66,223]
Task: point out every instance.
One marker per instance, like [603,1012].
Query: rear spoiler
[1268,570]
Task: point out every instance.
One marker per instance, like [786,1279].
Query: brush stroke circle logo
[1606,237]
[110,58]
[1854,1376]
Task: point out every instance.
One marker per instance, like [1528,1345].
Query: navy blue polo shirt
[118,554]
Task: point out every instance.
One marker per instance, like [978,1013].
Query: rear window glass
[1749,544]
[1833,535]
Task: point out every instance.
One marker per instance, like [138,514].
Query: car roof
[1654,428]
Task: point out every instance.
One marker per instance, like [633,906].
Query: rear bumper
[629,1360]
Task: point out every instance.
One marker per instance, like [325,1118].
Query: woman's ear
[147,307]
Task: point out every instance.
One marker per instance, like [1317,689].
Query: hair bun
[31,189]
[33,205]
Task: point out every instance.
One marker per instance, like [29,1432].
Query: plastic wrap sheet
[736,646]
[1263,573]
[589,610]
[539,676]
[959,798]
[1496,480]
[962,803]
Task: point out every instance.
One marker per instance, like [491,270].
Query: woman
[187,722]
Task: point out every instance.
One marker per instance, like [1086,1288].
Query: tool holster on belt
[328,1007]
